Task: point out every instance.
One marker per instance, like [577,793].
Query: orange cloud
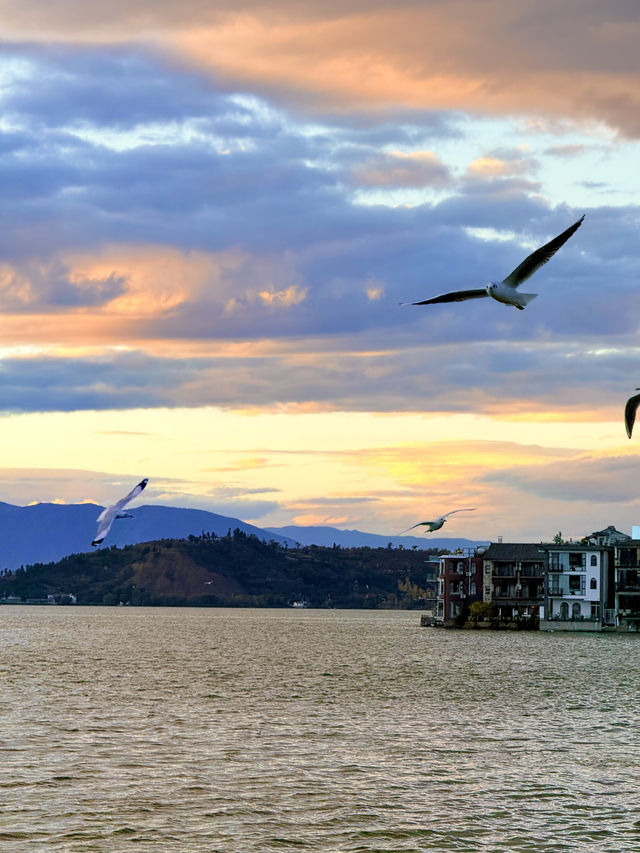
[533,57]
[403,169]
[158,282]
[283,298]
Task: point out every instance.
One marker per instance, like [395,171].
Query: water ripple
[238,731]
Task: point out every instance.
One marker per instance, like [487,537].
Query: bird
[437,524]
[505,291]
[630,412]
[109,515]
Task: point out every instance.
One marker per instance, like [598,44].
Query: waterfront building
[579,588]
[459,585]
[513,579]
[626,562]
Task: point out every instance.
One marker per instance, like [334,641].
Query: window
[574,583]
[593,584]
[472,588]
[454,587]
[594,559]
[575,610]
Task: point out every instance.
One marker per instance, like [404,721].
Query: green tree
[481,611]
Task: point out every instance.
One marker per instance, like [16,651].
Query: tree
[481,611]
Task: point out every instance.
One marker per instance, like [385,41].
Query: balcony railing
[558,618]
[557,591]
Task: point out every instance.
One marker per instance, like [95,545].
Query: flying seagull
[506,291]
[109,515]
[630,412]
[437,524]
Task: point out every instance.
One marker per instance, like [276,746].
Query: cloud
[402,169]
[501,163]
[241,226]
[283,298]
[550,379]
[34,286]
[588,479]
[495,58]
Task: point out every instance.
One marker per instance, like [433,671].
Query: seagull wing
[106,520]
[419,524]
[630,413]
[455,296]
[540,256]
[470,509]
[132,494]
[107,516]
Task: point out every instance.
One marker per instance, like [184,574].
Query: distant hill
[328,536]
[236,570]
[47,532]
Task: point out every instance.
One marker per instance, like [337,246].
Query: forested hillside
[235,570]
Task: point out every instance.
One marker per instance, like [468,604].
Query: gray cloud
[473,376]
[240,175]
[586,479]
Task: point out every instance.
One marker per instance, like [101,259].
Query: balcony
[628,587]
[557,592]
[504,572]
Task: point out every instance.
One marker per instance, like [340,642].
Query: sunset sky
[210,213]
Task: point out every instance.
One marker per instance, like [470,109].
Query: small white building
[578,589]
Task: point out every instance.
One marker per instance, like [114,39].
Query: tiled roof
[514,551]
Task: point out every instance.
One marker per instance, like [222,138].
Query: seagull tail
[523,299]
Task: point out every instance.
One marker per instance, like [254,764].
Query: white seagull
[506,291]
[109,515]
[437,524]
[630,412]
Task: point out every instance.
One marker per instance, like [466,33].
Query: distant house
[513,579]
[459,585]
[608,536]
[579,589]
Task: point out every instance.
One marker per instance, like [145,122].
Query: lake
[178,729]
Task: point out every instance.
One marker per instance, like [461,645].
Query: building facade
[592,585]
[513,579]
[579,588]
[459,585]
[626,563]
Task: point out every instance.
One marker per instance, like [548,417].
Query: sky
[211,211]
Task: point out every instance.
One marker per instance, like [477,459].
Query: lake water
[176,729]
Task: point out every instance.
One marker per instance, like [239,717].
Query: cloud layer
[207,208]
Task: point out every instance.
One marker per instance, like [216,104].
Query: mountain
[328,536]
[235,570]
[43,533]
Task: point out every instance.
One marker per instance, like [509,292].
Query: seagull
[506,291]
[630,412]
[109,515]
[437,524]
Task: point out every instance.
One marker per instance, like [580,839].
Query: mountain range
[328,536]
[45,532]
